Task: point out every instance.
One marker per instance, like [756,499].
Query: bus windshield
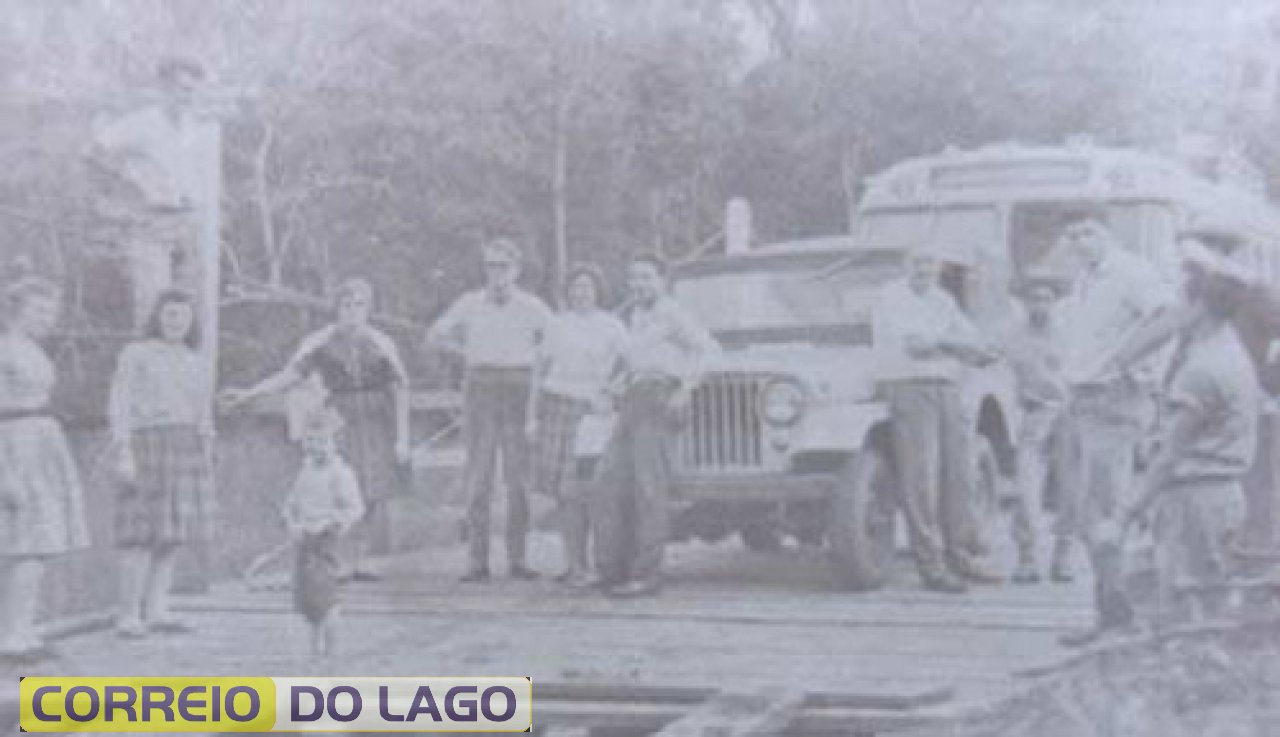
[909,227]
[1028,237]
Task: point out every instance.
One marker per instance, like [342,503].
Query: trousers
[630,507]
[932,449]
[1102,478]
[494,405]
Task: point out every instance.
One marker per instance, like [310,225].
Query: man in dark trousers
[496,330]
[664,359]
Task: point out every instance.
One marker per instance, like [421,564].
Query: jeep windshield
[816,297]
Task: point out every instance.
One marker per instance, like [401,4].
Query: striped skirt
[558,420]
[171,499]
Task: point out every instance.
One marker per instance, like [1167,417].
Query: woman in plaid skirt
[41,502]
[162,423]
[581,350]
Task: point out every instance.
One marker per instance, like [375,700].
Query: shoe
[1026,573]
[582,581]
[944,583]
[131,630]
[478,575]
[1060,570]
[524,573]
[973,570]
[363,576]
[171,627]
[633,589]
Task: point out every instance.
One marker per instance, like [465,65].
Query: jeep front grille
[724,433]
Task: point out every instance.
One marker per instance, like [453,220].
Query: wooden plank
[889,702]
[639,717]
[814,721]
[624,692]
[739,714]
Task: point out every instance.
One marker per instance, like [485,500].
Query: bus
[1003,201]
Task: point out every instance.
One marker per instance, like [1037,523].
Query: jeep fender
[837,427]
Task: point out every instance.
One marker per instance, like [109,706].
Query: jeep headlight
[782,403]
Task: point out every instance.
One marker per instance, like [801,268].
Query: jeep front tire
[861,528]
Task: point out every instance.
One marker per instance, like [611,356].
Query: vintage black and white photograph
[725,367]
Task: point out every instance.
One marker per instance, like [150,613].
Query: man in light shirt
[925,343]
[1114,294]
[1208,437]
[666,351]
[497,331]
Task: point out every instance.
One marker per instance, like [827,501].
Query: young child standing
[323,505]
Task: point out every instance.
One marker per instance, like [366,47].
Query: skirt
[42,508]
[315,576]
[171,499]
[367,442]
[558,420]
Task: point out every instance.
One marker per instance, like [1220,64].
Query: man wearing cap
[1207,440]
[1034,350]
[925,342]
[496,330]
[1115,293]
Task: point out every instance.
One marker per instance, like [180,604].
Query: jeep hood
[845,372]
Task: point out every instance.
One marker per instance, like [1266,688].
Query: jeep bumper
[753,488]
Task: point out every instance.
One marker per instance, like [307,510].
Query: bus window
[1146,228]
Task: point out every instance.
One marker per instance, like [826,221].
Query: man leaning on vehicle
[924,344]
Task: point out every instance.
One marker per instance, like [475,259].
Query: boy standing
[323,505]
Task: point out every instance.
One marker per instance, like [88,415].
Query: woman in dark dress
[365,382]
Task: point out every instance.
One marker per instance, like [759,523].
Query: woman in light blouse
[582,347]
[41,500]
[162,424]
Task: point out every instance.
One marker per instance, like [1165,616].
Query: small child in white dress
[323,505]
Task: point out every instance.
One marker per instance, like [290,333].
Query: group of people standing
[1115,372]
[1139,407]
[532,375]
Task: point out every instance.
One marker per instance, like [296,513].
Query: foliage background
[390,138]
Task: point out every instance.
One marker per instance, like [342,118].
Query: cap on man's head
[503,248]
